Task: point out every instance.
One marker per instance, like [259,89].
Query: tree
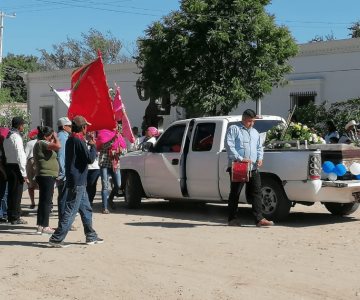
[10,111]
[12,67]
[213,54]
[355,30]
[75,53]
[4,96]
[339,112]
[312,115]
[320,38]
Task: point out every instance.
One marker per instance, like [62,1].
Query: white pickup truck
[189,162]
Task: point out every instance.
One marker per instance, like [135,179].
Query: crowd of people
[71,160]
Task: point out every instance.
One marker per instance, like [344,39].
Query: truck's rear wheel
[275,205]
[133,190]
[341,209]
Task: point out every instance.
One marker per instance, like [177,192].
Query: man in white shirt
[15,169]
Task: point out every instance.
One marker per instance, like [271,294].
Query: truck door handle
[175,161]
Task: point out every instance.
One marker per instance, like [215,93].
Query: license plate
[356,196]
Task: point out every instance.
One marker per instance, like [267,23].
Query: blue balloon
[340,170]
[328,167]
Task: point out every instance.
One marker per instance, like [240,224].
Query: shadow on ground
[211,213]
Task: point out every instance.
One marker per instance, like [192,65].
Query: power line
[98,8]
[81,4]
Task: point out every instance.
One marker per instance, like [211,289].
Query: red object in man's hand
[240,171]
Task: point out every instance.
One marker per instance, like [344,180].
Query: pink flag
[120,115]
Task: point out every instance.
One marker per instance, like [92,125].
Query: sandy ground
[184,251]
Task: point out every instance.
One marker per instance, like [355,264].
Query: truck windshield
[265,125]
[262,125]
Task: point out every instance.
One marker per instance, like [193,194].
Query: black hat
[17,121]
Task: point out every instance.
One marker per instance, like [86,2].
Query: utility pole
[2,15]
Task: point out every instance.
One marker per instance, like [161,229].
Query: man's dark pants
[61,199]
[253,192]
[15,190]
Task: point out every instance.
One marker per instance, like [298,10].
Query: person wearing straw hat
[350,134]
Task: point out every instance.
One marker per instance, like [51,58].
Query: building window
[302,98]
[46,116]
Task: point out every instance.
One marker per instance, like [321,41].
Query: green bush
[340,113]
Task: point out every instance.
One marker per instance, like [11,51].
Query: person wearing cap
[243,143]
[30,165]
[15,169]
[64,129]
[350,134]
[77,158]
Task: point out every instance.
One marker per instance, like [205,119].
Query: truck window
[203,137]
[262,125]
[171,139]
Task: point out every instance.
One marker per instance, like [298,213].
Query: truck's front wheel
[341,209]
[133,190]
[275,205]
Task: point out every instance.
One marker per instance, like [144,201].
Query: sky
[39,24]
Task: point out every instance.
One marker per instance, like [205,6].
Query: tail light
[314,166]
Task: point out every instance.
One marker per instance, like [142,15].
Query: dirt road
[184,251]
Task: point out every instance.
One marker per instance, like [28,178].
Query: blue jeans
[3,199]
[116,178]
[77,201]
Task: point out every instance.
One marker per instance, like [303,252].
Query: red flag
[120,115]
[90,96]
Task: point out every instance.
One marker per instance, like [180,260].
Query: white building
[323,71]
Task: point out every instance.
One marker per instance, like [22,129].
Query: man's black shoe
[58,244]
